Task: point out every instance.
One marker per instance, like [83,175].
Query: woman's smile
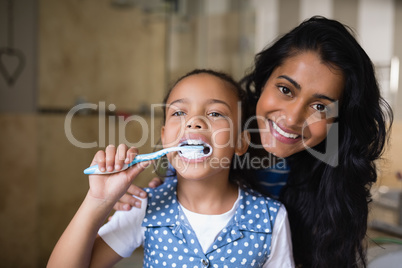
[285,136]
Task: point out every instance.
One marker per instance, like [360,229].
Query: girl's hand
[127,201]
[111,187]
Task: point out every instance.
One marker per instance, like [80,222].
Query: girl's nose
[196,123]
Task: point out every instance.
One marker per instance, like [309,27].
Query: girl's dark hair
[237,89]
[328,204]
[236,175]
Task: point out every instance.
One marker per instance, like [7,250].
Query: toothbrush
[146,157]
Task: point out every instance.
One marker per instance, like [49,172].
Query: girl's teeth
[190,154]
[283,133]
[194,142]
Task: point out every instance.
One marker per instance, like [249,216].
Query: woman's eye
[285,91]
[320,107]
[179,113]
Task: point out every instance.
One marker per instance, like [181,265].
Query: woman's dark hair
[236,175]
[328,204]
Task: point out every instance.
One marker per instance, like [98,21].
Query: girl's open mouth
[196,154]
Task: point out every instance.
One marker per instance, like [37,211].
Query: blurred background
[76,75]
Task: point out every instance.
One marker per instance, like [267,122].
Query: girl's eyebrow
[210,101]
[177,101]
[297,85]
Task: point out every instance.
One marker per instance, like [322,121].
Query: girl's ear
[162,134]
[242,143]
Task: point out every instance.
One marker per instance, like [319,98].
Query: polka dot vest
[171,242]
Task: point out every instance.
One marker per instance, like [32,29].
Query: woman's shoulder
[271,180]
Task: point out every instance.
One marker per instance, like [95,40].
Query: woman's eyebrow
[297,85]
[293,82]
[320,96]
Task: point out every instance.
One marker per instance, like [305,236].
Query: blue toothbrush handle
[141,158]
[95,170]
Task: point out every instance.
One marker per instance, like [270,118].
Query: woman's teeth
[283,133]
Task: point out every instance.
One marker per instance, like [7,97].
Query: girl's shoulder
[253,198]
[168,185]
[257,212]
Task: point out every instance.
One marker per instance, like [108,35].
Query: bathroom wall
[95,51]
[110,57]
[101,55]
[19,190]
[391,162]
[20,34]
[61,183]
[18,138]
[120,60]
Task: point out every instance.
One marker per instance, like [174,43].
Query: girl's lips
[193,136]
[283,136]
[195,139]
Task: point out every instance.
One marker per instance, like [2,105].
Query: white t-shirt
[124,232]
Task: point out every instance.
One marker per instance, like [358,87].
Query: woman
[314,78]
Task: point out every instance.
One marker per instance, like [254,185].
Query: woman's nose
[295,114]
[197,123]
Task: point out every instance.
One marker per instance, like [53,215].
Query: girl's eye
[215,114]
[179,113]
[320,107]
[286,91]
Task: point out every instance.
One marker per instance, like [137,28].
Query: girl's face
[202,109]
[298,104]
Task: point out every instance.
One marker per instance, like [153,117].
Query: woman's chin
[282,152]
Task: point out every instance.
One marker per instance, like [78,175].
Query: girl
[314,78]
[205,216]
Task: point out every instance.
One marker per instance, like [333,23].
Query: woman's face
[298,104]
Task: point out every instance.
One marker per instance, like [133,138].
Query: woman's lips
[282,135]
